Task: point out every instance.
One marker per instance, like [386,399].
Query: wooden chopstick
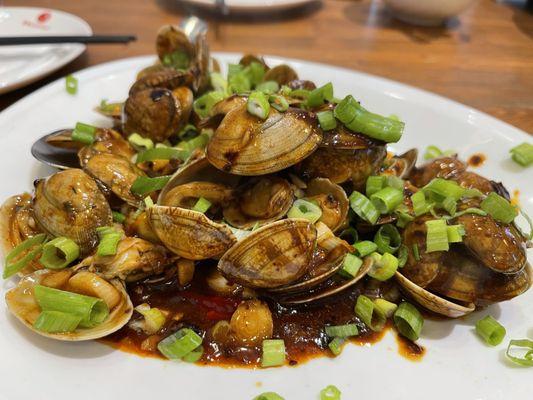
[95,39]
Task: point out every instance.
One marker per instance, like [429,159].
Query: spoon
[57,150]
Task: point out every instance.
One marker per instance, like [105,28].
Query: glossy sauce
[477,160]
[409,349]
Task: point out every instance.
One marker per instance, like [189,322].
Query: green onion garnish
[336,345]
[330,393]
[218,82]
[371,315]
[408,321]
[194,355]
[490,330]
[268,87]
[84,133]
[144,185]
[278,102]
[258,105]
[450,205]
[56,322]
[178,59]
[118,217]
[365,247]
[153,317]
[162,153]
[402,255]
[455,233]
[437,236]
[416,252]
[386,307]
[59,253]
[179,344]
[71,84]
[109,239]
[471,210]
[187,132]
[202,205]
[320,95]
[203,104]
[439,189]
[387,199]
[357,119]
[350,266]
[92,310]
[273,353]
[434,152]
[351,233]
[32,245]
[525,360]
[499,208]
[383,267]
[395,182]
[305,209]
[268,396]
[364,208]
[523,154]
[138,141]
[388,239]
[255,72]
[342,331]
[420,206]
[374,184]
[327,120]
[403,218]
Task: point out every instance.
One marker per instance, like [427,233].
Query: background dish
[456,363]
[252,6]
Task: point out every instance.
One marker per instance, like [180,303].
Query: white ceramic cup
[426,12]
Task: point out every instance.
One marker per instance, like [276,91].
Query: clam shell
[336,205]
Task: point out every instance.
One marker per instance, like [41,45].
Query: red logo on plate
[40,22]
[43,17]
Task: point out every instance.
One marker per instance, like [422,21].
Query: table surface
[483,59]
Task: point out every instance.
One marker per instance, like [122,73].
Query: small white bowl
[426,12]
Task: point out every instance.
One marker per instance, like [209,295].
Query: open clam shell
[22,305]
[401,165]
[332,200]
[272,256]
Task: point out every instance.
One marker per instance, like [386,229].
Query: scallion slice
[499,208]
[395,182]
[525,360]
[56,322]
[387,199]
[350,235]
[388,239]
[255,72]
[386,307]
[374,184]
[432,152]
[109,239]
[471,210]
[403,217]
[194,355]
[365,247]
[364,208]
[71,84]
[32,246]
[268,87]
[268,396]
[383,267]
[92,310]
[144,185]
[84,133]
[455,233]
[118,217]
[162,153]
[202,205]
[408,321]
[523,154]
[203,104]
[336,345]
[140,142]
[258,105]
[179,344]
[350,266]
[326,120]
[450,205]
[439,189]
[372,316]
[273,353]
[416,252]
[490,330]
[278,102]
[320,95]
[420,206]
[402,255]
[437,236]
[342,331]
[305,209]
[153,317]
[59,253]
[218,82]
[330,393]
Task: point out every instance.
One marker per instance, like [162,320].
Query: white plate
[252,6]
[457,365]
[22,65]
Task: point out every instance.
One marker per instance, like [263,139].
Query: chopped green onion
[109,239]
[148,202]
[118,217]
[218,82]
[403,218]
[194,355]
[109,107]
[471,210]
[187,132]
[268,396]
[403,253]
[450,205]
[56,322]
[342,331]
[455,233]
[203,104]
[144,185]
[268,87]
[358,119]
[437,236]
[420,206]
[439,189]
[387,199]
[523,154]
[416,252]
[336,346]
[330,393]
[239,82]
[432,152]
[375,183]
[258,105]
[326,120]
[278,102]
[383,267]
[529,235]
[202,205]
[34,246]
[490,330]
[92,310]
[255,72]
[386,307]
[84,133]
[395,182]
[305,209]
[365,247]
[138,141]
[320,95]
[273,353]
[187,147]
[363,207]
[408,321]
[388,239]
[350,266]
[154,319]
[179,344]
[59,253]
[525,360]
[162,153]
[178,59]
[351,232]
[71,84]
[372,316]
[499,208]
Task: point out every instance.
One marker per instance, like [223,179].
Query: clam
[69,203]
[186,195]
[164,78]
[401,165]
[190,234]
[282,74]
[247,59]
[332,199]
[22,304]
[444,167]
[173,43]
[245,145]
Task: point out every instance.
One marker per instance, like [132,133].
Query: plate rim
[290,4]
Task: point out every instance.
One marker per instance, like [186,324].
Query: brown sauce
[409,349]
[198,307]
[477,160]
